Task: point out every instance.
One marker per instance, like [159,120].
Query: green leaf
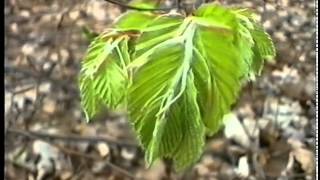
[258,62]
[192,129]
[134,20]
[210,53]
[224,61]
[91,104]
[161,32]
[178,76]
[225,71]
[103,77]
[190,44]
[263,42]
[160,88]
[262,46]
[213,15]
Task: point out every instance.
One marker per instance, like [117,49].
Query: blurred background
[269,135]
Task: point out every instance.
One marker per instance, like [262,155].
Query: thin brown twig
[38,101]
[74,138]
[116,2]
[264,11]
[254,150]
[22,90]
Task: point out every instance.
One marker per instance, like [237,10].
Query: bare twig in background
[263,11]
[168,169]
[70,138]
[137,8]
[254,150]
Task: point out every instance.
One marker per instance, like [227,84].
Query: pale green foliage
[103,77]
[177,76]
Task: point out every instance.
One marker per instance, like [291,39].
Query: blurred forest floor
[270,135]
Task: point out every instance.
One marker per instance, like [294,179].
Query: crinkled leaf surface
[162,99]
[178,77]
[260,42]
[103,76]
[133,20]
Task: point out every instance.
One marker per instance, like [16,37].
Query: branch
[74,138]
[136,8]
[254,150]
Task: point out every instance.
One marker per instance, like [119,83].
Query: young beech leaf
[103,77]
[263,42]
[157,98]
[133,20]
[262,47]
[178,78]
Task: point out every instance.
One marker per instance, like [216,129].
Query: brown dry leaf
[306,158]
[218,145]
[246,111]
[100,167]
[282,111]
[28,48]
[50,159]
[66,175]
[127,153]
[74,14]
[103,149]
[97,9]
[275,166]
[20,99]
[263,158]
[45,87]
[155,172]
[49,106]
[84,175]
[31,177]
[64,55]
[7,102]
[295,143]
[276,158]
[202,170]
[236,151]
[243,169]
[209,161]
[85,130]
[240,132]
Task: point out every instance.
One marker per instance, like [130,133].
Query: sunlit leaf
[103,77]
[178,76]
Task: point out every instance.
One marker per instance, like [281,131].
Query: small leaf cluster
[176,75]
